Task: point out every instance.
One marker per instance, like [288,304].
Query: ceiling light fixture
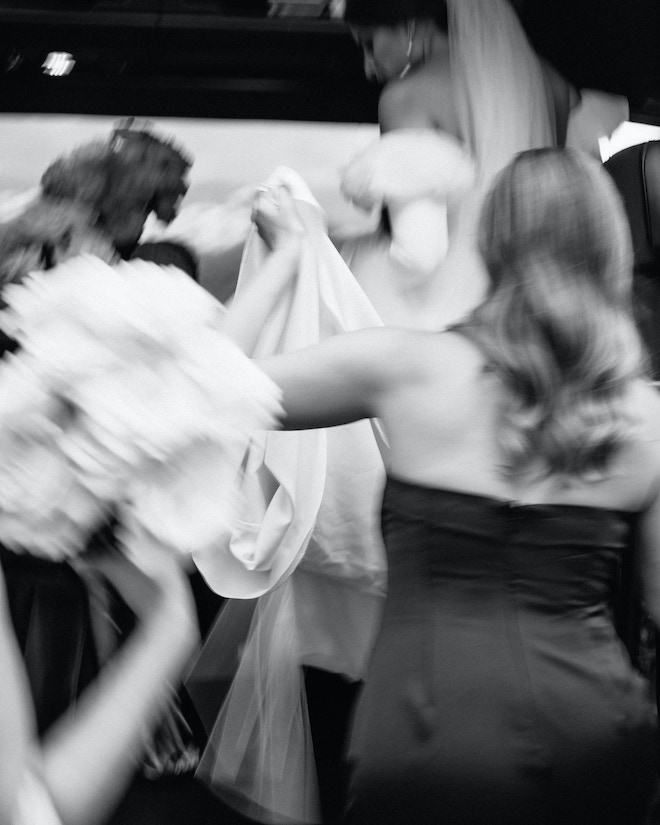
[58,64]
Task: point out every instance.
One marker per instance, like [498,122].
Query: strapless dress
[499,691]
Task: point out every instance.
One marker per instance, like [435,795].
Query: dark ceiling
[612,45]
[199,58]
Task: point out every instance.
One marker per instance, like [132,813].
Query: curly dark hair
[133,170]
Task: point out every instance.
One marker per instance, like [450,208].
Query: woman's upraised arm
[88,757]
[280,227]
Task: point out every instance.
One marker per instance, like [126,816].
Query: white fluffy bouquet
[124,399]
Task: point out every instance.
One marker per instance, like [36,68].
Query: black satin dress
[499,692]
[50,613]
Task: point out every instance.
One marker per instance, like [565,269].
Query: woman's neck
[432,46]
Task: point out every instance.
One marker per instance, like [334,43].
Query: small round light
[58,64]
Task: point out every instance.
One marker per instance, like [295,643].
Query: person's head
[122,180]
[557,325]
[395,34]
[557,211]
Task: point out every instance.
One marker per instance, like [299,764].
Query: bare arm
[253,305]
[340,380]
[562,97]
[17,728]
[88,756]
[343,379]
[282,230]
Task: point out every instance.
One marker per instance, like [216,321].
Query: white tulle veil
[499,85]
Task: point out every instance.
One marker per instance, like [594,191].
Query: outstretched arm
[342,379]
[345,378]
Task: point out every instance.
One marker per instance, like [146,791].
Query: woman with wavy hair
[524,454]
[556,327]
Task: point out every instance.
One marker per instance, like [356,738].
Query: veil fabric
[498,88]
[305,569]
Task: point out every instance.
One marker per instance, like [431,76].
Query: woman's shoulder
[400,106]
[424,98]
[428,357]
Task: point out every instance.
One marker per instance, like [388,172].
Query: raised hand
[276,217]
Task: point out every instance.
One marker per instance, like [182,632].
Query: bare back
[442,422]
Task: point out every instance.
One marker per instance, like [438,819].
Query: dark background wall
[202,58]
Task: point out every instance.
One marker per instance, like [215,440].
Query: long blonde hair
[557,325]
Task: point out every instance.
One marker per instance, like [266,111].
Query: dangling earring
[411,35]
